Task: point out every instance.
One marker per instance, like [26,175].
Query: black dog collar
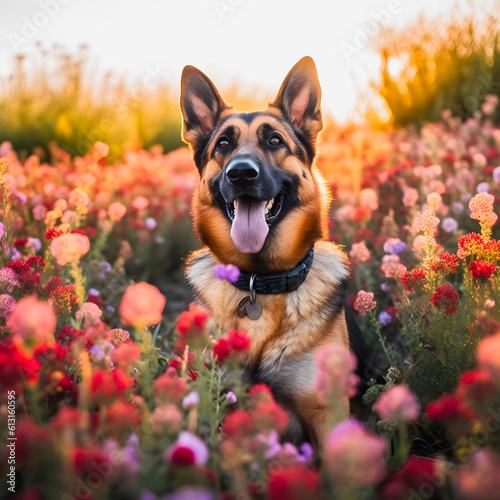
[286,281]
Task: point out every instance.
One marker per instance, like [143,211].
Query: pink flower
[69,248]
[118,335]
[2,230]
[116,211]
[189,450]
[488,354]
[391,266]
[32,320]
[78,198]
[364,302]
[100,150]
[355,456]
[368,198]
[410,196]
[399,404]
[90,312]
[427,221]
[479,479]
[140,203]
[335,372]
[142,304]
[481,206]
[7,303]
[359,252]
[167,415]
[434,200]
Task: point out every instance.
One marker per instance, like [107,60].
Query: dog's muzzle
[242,172]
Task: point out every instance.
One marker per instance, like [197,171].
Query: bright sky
[254,41]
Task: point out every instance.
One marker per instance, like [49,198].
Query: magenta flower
[230,273]
[8,279]
[231,397]
[192,399]
[2,230]
[355,456]
[399,404]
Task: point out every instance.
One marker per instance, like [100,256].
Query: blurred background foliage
[433,66]
[425,69]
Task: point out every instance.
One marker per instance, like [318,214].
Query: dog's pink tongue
[249,229]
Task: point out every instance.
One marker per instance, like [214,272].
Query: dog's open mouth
[251,219]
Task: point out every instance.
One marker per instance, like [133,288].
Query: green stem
[376,324]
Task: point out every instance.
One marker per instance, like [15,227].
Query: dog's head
[260,204]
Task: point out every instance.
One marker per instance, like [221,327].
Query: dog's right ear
[201,105]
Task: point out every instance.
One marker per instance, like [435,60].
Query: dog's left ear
[299,98]
[201,105]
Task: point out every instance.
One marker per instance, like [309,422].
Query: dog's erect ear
[201,105]
[299,98]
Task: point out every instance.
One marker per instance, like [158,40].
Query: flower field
[114,387]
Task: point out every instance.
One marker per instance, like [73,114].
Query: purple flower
[101,350]
[457,208]
[384,318]
[394,246]
[2,230]
[230,273]
[496,175]
[483,187]
[449,224]
[384,287]
[231,397]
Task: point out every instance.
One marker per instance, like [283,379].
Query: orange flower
[142,304]
[69,248]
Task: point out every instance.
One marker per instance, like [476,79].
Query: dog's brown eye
[223,143]
[275,140]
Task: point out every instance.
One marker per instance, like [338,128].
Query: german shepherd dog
[262,206]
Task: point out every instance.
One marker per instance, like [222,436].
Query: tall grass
[438,65]
[57,96]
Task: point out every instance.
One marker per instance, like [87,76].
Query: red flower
[53,233]
[177,363]
[106,387]
[91,461]
[121,417]
[222,350]
[293,483]
[66,418]
[183,456]
[234,341]
[445,263]
[448,409]
[480,268]
[194,319]
[169,386]
[416,472]
[268,416]
[68,334]
[410,278]
[125,355]
[21,243]
[446,296]
[15,365]
[260,392]
[478,387]
[361,215]
[238,424]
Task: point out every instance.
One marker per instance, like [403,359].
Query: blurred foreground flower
[398,403]
[141,305]
[69,248]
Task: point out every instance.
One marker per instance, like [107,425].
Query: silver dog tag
[253,310]
[241,307]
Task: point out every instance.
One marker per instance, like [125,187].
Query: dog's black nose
[242,172]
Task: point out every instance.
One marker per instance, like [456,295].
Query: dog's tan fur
[293,325]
